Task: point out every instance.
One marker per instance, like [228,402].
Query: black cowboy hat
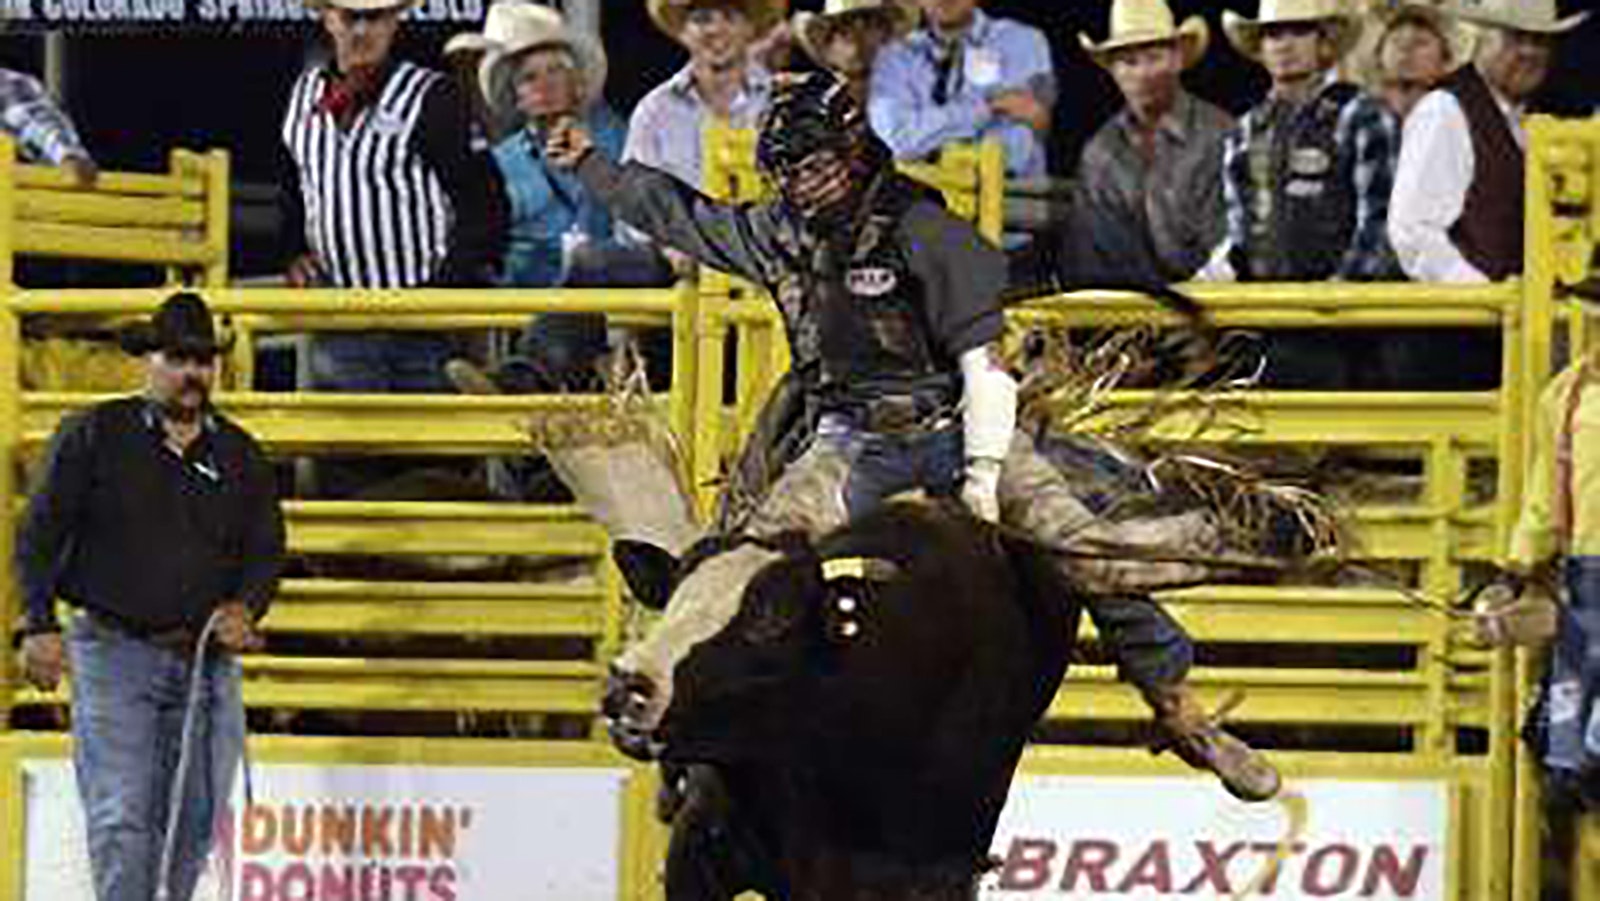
[182,327]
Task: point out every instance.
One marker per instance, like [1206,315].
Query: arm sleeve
[1533,539]
[1372,134]
[913,126]
[40,127]
[1430,191]
[445,141]
[963,276]
[264,534]
[1219,267]
[53,514]
[734,238]
[291,209]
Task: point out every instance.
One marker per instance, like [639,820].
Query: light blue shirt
[666,128]
[997,55]
[547,204]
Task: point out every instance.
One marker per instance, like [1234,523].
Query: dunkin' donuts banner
[401,833]
[1080,837]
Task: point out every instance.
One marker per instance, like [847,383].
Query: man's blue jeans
[128,701]
[1572,716]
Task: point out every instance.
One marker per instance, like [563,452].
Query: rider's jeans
[1150,647]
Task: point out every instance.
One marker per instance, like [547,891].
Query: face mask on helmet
[816,146]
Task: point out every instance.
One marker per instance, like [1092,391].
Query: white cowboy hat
[530,26]
[811,29]
[1458,41]
[1135,22]
[496,27]
[670,15]
[361,5]
[1538,16]
[1245,33]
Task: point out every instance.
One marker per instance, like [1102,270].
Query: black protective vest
[857,320]
[1313,196]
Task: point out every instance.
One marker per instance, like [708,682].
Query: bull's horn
[866,569]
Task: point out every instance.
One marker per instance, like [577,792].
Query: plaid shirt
[1366,148]
[43,132]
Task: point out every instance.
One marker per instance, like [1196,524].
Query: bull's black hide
[872,764]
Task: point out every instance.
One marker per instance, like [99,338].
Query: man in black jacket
[158,518]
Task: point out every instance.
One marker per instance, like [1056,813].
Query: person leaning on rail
[892,308]
[157,517]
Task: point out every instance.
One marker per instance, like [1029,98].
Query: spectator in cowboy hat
[157,518]
[847,35]
[1458,196]
[1149,191]
[382,190]
[720,82]
[1306,176]
[465,52]
[966,76]
[1418,45]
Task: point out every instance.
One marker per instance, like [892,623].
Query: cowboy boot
[1186,729]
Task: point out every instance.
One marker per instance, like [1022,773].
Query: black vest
[857,318]
[1489,232]
[1313,196]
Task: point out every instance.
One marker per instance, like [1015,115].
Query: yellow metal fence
[1456,707]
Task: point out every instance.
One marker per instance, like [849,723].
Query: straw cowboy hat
[496,28]
[670,15]
[360,5]
[531,26]
[1135,22]
[812,29]
[1434,16]
[1245,33]
[1538,16]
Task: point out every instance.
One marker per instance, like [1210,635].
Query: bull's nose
[627,696]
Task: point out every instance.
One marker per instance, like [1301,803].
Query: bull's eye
[849,628]
[847,604]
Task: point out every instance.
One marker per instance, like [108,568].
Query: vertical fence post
[10,439]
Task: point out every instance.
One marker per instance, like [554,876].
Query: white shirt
[1431,184]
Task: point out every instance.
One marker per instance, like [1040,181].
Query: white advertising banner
[396,833]
[1072,837]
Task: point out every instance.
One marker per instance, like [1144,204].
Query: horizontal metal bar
[132,245]
[443,616]
[331,302]
[106,211]
[55,178]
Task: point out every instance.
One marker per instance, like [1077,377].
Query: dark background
[134,95]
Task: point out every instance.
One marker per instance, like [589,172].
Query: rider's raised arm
[736,238]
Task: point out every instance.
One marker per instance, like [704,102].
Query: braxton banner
[1077,837]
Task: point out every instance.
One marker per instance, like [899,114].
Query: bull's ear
[649,571]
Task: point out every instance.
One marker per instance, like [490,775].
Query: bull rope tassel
[1297,817]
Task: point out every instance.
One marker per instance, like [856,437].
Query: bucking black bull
[852,730]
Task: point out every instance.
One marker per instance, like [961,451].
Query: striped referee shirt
[398,198]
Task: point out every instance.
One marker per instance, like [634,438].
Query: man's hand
[305,271]
[567,143]
[43,660]
[235,631]
[1508,614]
[83,170]
[1022,105]
[981,489]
